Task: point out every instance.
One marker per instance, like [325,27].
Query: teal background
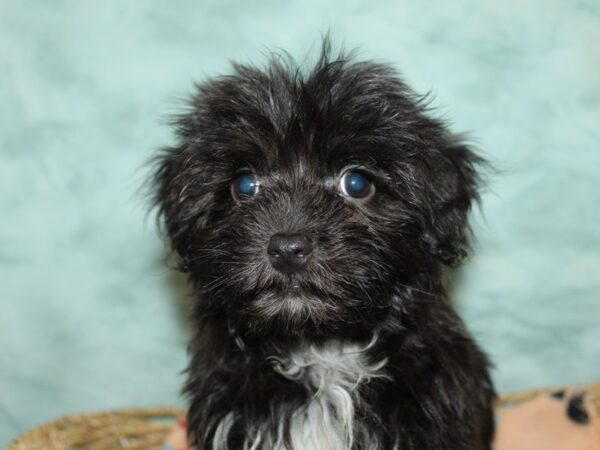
[90,318]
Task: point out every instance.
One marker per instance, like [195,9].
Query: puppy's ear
[181,208]
[455,187]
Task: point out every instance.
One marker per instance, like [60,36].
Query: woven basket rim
[143,428]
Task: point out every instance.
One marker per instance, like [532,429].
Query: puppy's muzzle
[289,252]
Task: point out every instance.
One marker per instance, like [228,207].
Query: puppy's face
[304,203]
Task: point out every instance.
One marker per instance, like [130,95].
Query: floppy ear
[178,195]
[454,190]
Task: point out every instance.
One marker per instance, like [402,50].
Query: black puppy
[315,213]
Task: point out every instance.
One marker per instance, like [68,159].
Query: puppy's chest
[332,374]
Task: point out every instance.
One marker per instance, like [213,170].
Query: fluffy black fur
[377,268]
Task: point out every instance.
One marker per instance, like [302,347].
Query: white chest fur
[332,372]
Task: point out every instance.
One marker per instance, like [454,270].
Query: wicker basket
[137,429]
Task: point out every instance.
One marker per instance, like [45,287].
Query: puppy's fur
[361,349]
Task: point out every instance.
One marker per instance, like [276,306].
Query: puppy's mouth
[292,288]
[293,285]
[291,291]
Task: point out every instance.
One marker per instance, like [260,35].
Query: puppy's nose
[289,252]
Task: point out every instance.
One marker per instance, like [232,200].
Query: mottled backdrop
[89,317]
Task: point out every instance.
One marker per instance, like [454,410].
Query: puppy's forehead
[321,123]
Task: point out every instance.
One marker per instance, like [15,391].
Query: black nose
[289,252]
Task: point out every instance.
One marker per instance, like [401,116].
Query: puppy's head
[301,202]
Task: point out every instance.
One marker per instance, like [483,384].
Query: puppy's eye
[244,186]
[356,185]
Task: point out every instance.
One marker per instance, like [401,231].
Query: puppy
[315,212]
